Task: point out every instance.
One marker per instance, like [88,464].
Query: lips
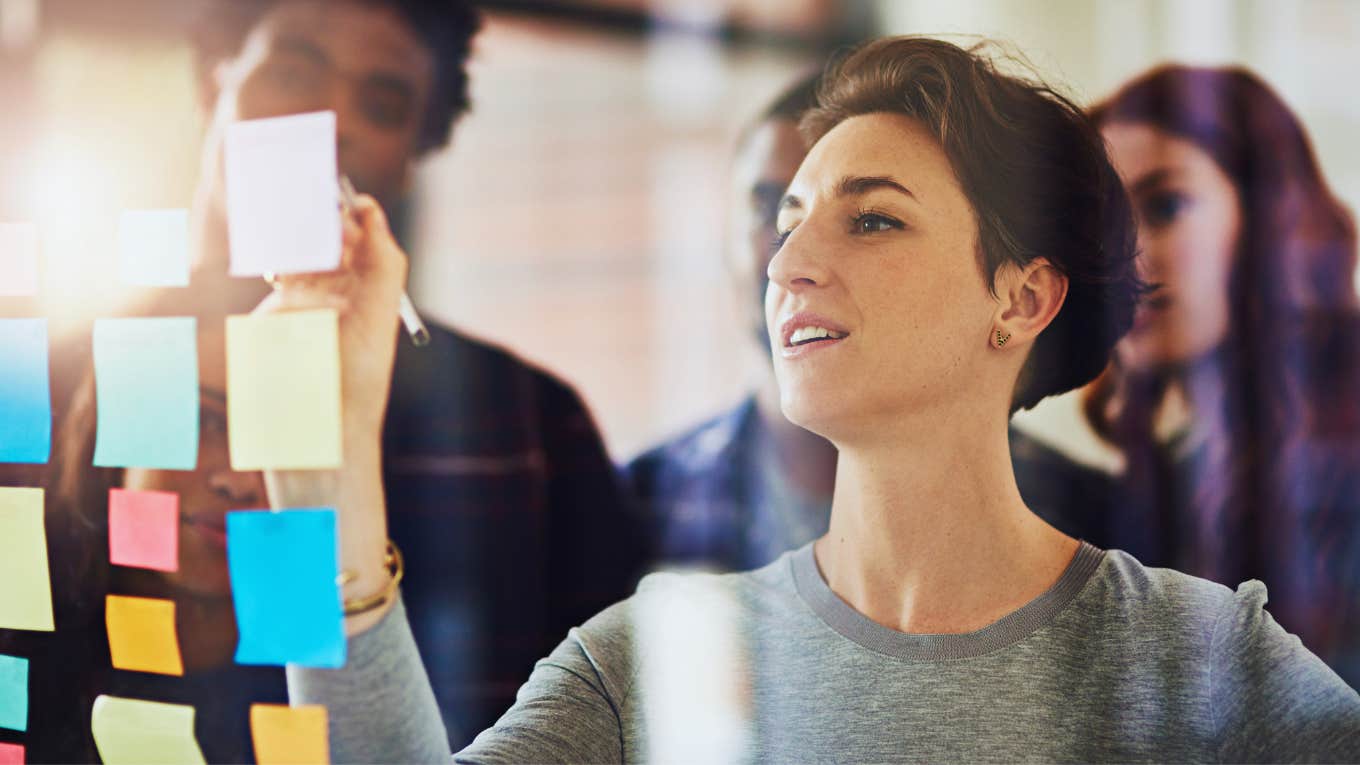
[805,330]
[214,530]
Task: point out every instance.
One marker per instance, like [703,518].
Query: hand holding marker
[409,318]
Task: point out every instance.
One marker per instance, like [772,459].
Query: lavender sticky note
[283,569]
[25,403]
[146,385]
[283,202]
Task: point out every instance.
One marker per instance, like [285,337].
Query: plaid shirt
[507,508]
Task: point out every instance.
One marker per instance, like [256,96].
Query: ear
[1028,299]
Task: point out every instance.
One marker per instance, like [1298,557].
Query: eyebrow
[854,185]
[1151,180]
[301,46]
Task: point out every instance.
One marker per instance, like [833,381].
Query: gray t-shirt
[1115,662]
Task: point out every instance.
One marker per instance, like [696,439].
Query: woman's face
[209,492]
[881,252]
[1189,221]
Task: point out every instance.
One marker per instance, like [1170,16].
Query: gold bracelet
[396,569]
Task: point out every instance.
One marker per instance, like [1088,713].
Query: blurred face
[361,61]
[1189,219]
[208,493]
[877,306]
[761,173]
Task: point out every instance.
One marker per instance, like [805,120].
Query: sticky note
[283,201]
[289,735]
[144,529]
[146,388]
[18,259]
[11,754]
[283,391]
[142,634]
[133,732]
[26,594]
[283,569]
[25,403]
[13,692]
[153,247]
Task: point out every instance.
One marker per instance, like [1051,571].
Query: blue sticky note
[146,386]
[283,583]
[25,404]
[13,692]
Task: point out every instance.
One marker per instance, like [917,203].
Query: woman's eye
[870,223]
[779,240]
[1163,207]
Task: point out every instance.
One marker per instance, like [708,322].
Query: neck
[807,459]
[928,531]
[207,632]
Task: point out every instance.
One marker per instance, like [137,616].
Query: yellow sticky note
[128,732]
[289,735]
[283,391]
[25,585]
[142,634]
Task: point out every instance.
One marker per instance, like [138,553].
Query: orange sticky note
[289,735]
[144,529]
[142,634]
[11,754]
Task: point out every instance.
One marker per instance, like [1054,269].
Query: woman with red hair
[1235,399]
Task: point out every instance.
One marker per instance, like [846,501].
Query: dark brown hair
[1034,169]
[446,27]
[1274,496]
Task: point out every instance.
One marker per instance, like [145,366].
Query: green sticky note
[132,732]
[146,385]
[283,391]
[25,586]
[13,692]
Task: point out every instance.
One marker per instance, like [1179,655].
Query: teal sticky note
[283,568]
[146,387]
[13,692]
[25,403]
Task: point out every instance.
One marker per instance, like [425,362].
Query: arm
[381,707]
[1272,699]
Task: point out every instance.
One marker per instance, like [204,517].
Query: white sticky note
[153,248]
[18,259]
[128,731]
[283,202]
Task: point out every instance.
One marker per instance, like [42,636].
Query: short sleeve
[1273,700]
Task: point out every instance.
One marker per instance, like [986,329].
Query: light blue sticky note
[283,569]
[25,404]
[146,387]
[153,247]
[13,692]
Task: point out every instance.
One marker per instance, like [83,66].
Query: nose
[798,264]
[245,490]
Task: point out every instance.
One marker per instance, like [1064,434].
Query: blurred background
[577,217]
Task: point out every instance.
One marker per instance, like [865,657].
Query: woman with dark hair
[956,245]
[1235,399]
[72,666]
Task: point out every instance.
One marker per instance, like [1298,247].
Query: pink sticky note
[18,259]
[144,529]
[11,754]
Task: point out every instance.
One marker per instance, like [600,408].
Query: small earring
[1000,341]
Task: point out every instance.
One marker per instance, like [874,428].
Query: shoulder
[1145,593]
[451,351]
[695,452]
